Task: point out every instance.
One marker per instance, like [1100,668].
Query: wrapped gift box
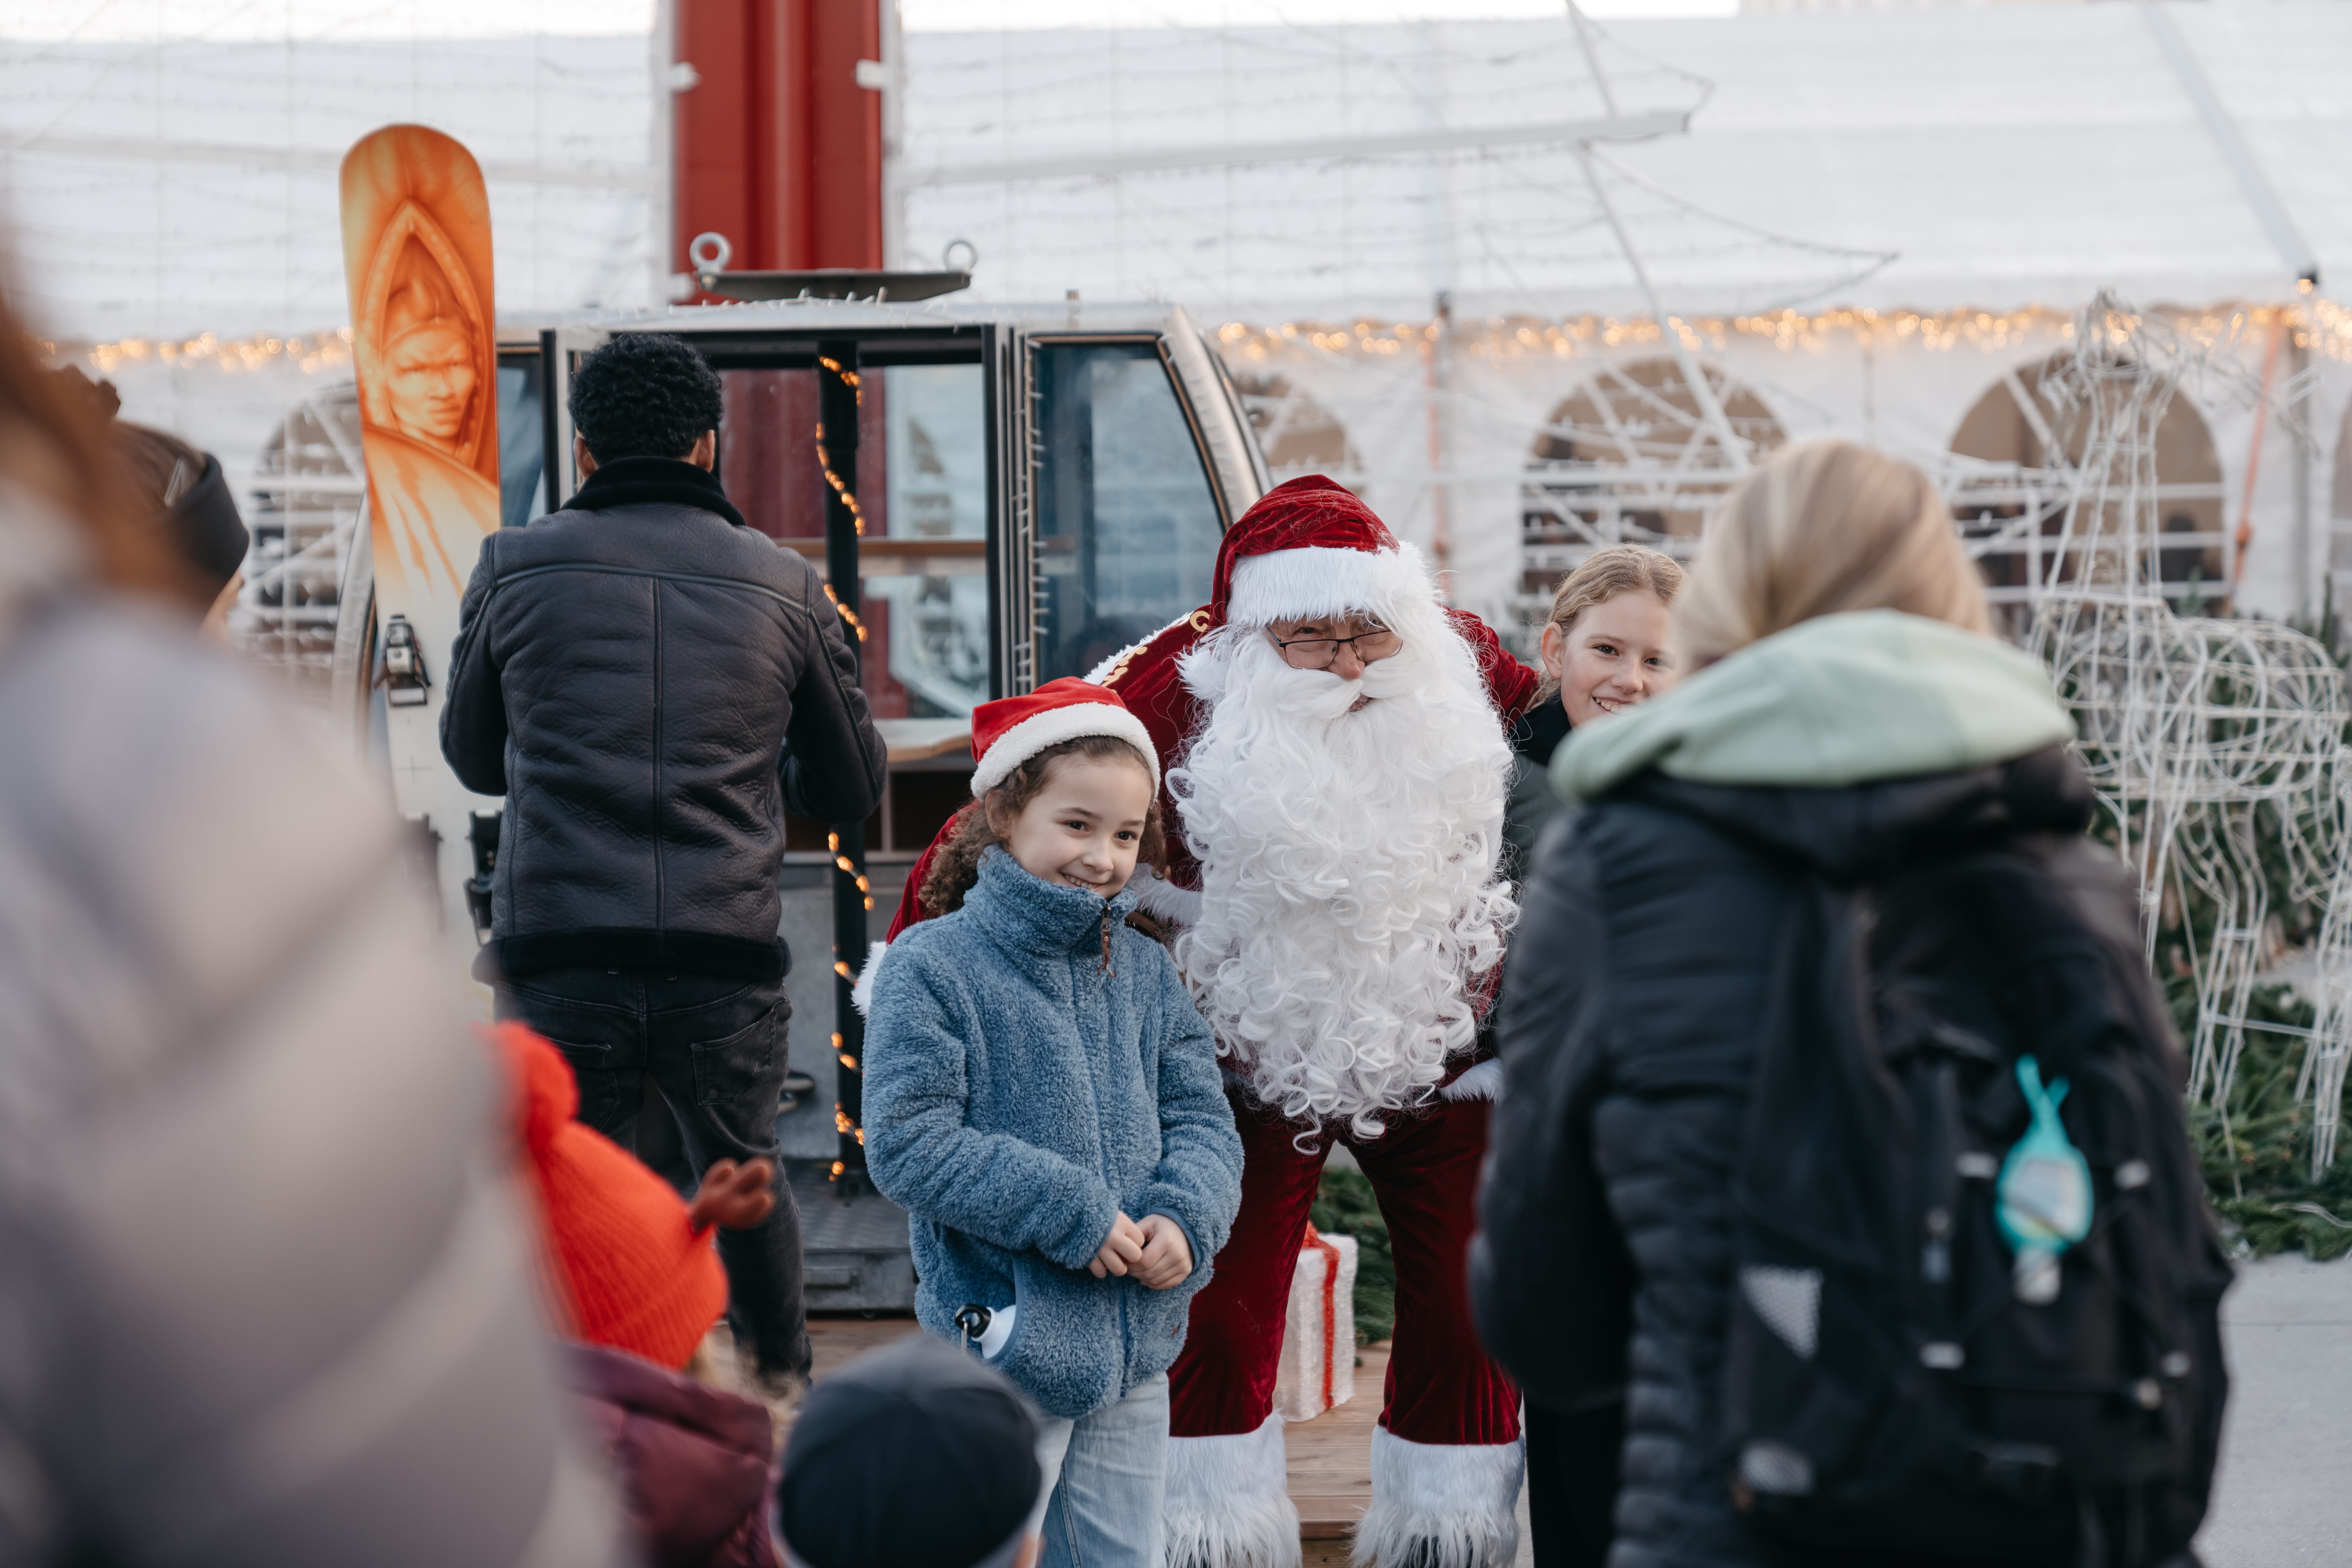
[1319,1331]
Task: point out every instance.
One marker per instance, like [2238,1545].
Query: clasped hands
[1154,1251]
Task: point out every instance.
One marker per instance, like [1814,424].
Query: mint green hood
[1841,699]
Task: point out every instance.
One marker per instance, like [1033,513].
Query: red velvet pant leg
[1222,1383]
[1442,1388]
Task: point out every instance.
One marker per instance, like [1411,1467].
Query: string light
[327,350]
[847,615]
[824,462]
[2317,323]
[841,1123]
[2314,322]
[825,459]
[857,386]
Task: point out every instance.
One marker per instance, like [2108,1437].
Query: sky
[142,21]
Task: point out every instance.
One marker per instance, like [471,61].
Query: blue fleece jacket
[1033,1065]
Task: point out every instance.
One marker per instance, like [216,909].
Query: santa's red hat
[1008,733]
[1309,548]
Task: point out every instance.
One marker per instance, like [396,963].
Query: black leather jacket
[651,684]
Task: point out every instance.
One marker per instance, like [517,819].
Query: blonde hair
[1602,575]
[1823,529]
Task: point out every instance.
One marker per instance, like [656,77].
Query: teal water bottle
[2042,1199]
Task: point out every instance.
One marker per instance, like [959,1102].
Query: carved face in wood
[416,245]
[431,360]
[429,377]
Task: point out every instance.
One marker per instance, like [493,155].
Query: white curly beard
[1349,897]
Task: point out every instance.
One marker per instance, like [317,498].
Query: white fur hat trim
[1023,740]
[1302,584]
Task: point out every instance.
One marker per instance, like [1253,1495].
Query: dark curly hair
[956,869]
[644,395]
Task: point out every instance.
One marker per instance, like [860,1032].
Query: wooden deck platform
[1330,1457]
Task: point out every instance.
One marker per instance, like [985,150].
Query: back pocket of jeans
[727,1070]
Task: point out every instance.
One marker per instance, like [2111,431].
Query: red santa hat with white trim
[1310,548]
[1007,734]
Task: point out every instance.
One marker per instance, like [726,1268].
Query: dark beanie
[203,522]
[916,1456]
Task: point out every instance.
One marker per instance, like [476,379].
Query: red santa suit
[1344,973]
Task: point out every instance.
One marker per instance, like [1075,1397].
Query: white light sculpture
[2191,725]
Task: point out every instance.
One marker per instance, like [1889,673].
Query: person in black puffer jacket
[652,684]
[1864,720]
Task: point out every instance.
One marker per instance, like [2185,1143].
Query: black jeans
[1572,1483]
[713,1047]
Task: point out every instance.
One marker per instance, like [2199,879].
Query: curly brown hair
[957,866]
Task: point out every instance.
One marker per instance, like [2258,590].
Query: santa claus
[1332,741]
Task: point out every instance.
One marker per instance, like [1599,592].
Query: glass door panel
[927,581]
[1126,522]
[523,489]
[922,487]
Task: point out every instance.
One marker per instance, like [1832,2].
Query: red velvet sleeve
[910,903]
[1510,685]
[1153,686]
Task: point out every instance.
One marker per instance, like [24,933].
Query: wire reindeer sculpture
[2192,726]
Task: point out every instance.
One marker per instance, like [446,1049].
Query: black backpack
[1888,1397]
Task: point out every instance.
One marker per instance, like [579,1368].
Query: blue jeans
[1104,1509]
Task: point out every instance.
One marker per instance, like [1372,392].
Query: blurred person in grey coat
[262,1290]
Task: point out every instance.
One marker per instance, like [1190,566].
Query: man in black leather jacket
[651,684]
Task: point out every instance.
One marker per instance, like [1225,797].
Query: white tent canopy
[168,190]
[2027,154]
[2005,156]
[2002,156]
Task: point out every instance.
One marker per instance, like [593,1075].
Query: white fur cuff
[1163,900]
[861,993]
[1484,1081]
[1229,1503]
[1444,1505]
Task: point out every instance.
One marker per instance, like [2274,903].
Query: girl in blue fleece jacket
[1043,1100]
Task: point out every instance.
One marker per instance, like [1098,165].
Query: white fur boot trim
[1444,1505]
[1229,1502]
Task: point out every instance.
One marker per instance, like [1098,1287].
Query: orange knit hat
[636,1275]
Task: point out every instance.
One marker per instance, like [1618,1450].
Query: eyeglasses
[1321,653]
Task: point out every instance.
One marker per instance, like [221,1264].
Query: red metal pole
[778,147]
